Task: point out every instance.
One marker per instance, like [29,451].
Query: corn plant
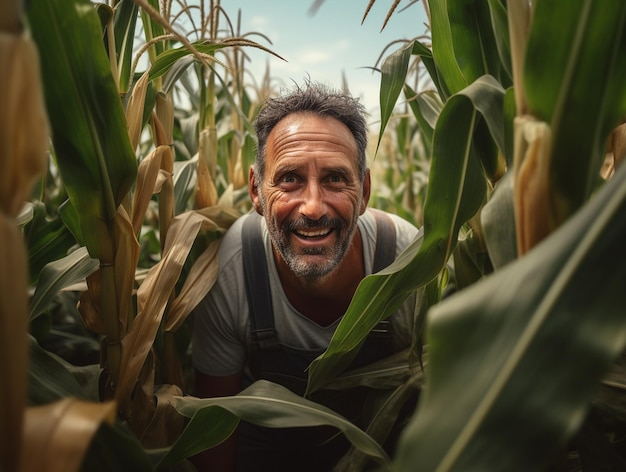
[99,108]
[514,195]
[530,113]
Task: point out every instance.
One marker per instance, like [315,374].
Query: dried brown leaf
[134,109]
[201,278]
[534,203]
[126,258]
[152,298]
[23,121]
[13,344]
[57,436]
[145,187]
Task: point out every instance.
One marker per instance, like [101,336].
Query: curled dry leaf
[533,212]
[134,110]
[147,174]
[23,121]
[61,433]
[153,296]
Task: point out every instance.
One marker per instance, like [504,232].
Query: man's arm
[222,458]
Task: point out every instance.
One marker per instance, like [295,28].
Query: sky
[329,43]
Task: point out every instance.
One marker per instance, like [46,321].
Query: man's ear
[253,191]
[367,187]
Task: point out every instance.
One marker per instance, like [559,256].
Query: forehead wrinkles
[287,137]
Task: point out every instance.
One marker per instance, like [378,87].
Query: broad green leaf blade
[184,183]
[389,372]
[116,448]
[125,23]
[498,221]
[475,50]
[49,378]
[500,24]
[394,70]
[71,220]
[510,111]
[450,75]
[165,60]
[514,360]
[456,190]
[59,274]
[487,97]
[46,239]
[573,80]
[209,426]
[267,404]
[426,107]
[93,152]
[426,56]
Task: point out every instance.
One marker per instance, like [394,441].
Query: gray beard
[311,272]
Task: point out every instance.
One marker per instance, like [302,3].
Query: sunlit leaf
[527,348]
[125,22]
[89,133]
[573,81]
[457,189]
[266,404]
[394,70]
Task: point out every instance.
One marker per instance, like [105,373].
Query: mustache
[307,223]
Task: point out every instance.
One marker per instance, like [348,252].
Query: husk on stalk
[23,155]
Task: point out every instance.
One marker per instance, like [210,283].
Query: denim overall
[312,448]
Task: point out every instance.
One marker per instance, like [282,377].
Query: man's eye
[289,179]
[335,178]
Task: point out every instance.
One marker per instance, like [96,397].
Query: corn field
[126,147]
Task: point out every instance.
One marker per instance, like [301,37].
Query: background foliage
[505,146]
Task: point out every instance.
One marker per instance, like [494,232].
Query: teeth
[313,234]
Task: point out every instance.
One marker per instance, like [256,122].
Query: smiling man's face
[311,195]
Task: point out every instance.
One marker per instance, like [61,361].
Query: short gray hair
[317,99]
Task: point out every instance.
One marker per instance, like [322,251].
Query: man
[311,185]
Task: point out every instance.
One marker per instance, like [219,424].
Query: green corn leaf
[456,190]
[464,47]
[59,274]
[394,70]
[426,107]
[47,239]
[500,23]
[573,80]
[426,56]
[515,359]
[263,403]
[125,23]
[93,152]
[49,378]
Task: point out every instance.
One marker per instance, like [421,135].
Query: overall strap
[257,284]
[385,252]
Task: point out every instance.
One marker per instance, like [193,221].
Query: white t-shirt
[221,324]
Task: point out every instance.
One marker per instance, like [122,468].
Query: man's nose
[313,205]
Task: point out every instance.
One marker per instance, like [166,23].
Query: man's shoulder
[404,229]
[231,244]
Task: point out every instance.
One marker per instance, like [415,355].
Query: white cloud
[314,57]
[258,21]
[343,45]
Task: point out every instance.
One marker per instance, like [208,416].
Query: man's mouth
[312,234]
